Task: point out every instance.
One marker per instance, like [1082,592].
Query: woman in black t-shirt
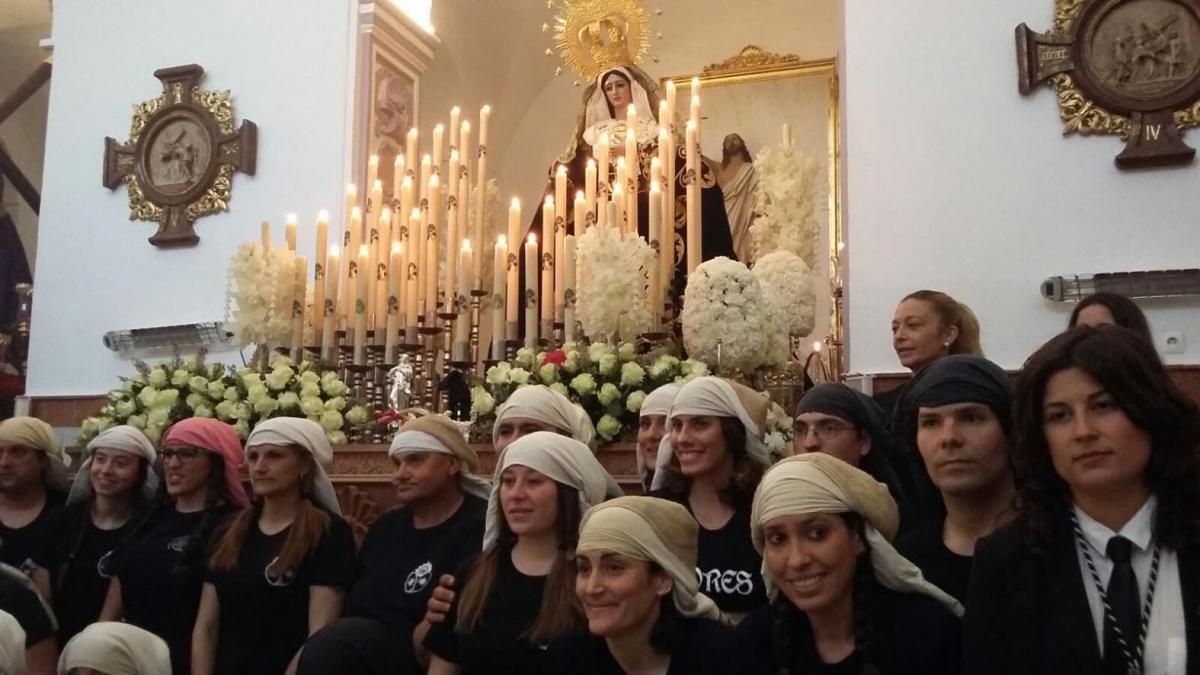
[636,580]
[711,461]
[114,487]
[159,570]
[518,595]
[843,600]
[280,570]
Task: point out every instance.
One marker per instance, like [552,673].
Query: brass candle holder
[477,297]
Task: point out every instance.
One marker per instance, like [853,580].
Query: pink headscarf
[216,437]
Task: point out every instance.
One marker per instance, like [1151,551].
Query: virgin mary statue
[606,102]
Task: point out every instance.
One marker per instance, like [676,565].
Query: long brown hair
[305,532]
[560,612]
[1129,369]
[747,473]
[953,313]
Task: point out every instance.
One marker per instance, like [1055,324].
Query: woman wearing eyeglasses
[159,571]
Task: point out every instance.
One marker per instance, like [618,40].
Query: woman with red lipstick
[280,571]
[519,594]
[711,462]
[636,581]
[1101,571]
[159,571]
[114,488]
[842,599]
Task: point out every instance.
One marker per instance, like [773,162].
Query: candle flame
[322,216]
[397,248]
[516,203]
[413,132]
[334,250]
[427,158]
[364,251]
[356,213]
[415,213]
[399,160]
[373,159]
[378,185]
[439,129]
[455,110]
[385,213]
[454,155]
[532,241]
[290,219]
[466,245]
[654,186]
[433,181]
[351,189]
[591,163]
[502,241]
[466,126]
[817,346]
[603,140]
[486,109]
[579,195]
[550,201]
[562,170]
[407,182]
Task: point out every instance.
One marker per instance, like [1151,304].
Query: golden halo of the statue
[593,36]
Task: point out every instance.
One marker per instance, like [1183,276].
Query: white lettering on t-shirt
[178,544]
[726,582]
[418,578]
[276,578]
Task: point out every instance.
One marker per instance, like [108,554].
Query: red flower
[558,357]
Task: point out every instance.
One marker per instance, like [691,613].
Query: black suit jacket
[1027,612]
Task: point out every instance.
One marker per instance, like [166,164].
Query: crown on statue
[593,36]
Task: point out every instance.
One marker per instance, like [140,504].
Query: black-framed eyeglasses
[824,429]
[184,455]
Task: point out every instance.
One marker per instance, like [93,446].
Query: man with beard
[438,527]
[33,482]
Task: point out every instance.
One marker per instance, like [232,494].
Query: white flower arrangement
[724,308]
[162,394]
[260,288]
[611,289]
[787,198]
[779,432]
[788,290]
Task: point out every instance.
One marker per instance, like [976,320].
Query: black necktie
[1124,599]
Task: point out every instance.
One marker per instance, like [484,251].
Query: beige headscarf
[654,530]
[116,649]
[306,434]
[562,460]
[541,403]
[657,403]
[819,483]
[123,438]
[718,397]
[437,434]
[34,433]
[12,645]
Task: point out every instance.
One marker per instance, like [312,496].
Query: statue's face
[616,89]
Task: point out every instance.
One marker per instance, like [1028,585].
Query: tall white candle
[406,204]
[433,250]
[397,178]
[439,133]
[514,280]
[617,209]
[299,300]
[455,117]
[412,290]
[266,236]
[602,163]
[360,306]
[392,326]
[426,172]
[589,195]
[633,167]
[569,292]
[693,200]
[410,152]
[372,170]
[289,231]
[453,235]
[462,323]
[481,179]
[560,259]
[549,233]
[787,135]
[381,280]
[658,243]
[499,296]
[328,346]
[355,241]
[375,210]
[319,266]
[531,292]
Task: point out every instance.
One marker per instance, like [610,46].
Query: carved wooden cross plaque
[1129,68]
[181,155]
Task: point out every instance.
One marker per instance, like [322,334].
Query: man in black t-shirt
[438,526]
[961,408]
[18,598]
[33,480]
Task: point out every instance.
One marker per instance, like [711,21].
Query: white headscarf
[116,648]
[818,483]
[437,434]
[12,645]
[562,460]
[31,432]
[541,403]
[597,110]
[718,397]
[306,434]
[654,530]
[657,403]
[123,438]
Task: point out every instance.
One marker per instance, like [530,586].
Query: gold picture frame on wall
[753,94]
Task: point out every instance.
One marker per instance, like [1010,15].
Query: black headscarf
[355,646]
[864,413]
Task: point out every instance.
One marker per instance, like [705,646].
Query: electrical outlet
[1172,342]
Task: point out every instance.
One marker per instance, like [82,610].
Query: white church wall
[285,62]
[957,182]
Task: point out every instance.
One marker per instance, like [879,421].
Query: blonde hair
[953,313]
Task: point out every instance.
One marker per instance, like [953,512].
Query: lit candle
[412,255]
[360,306]
[452,231]
[406,202]
[439,133]
[514,281]
[381,280]
[422,235]
[266,236]
[569,291]
[410,152]
[560,259]
[613,217]
[372,170]
[432,250]
[656,166]
[549,234]
[374,211]
[397,177]
[693,199]
[289,232]
[664,114]
[355,240]
[499,296]
[695,86]
[602,163]
[787,135]
[589,187]
[455,116]
[319,267]
[299,299]
[616,211]
[657,242]
[328,347]
[351,202]
[531,292]
[392,329]
[426,172]
[633,167]
[481,183]
[695,111]
[560,198]
[464,190]
[464,155]
[462,324]
[669,121]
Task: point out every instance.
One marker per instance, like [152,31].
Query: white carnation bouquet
[788,289]
[724,308]
[787,198]
[260,289]
[611,290]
